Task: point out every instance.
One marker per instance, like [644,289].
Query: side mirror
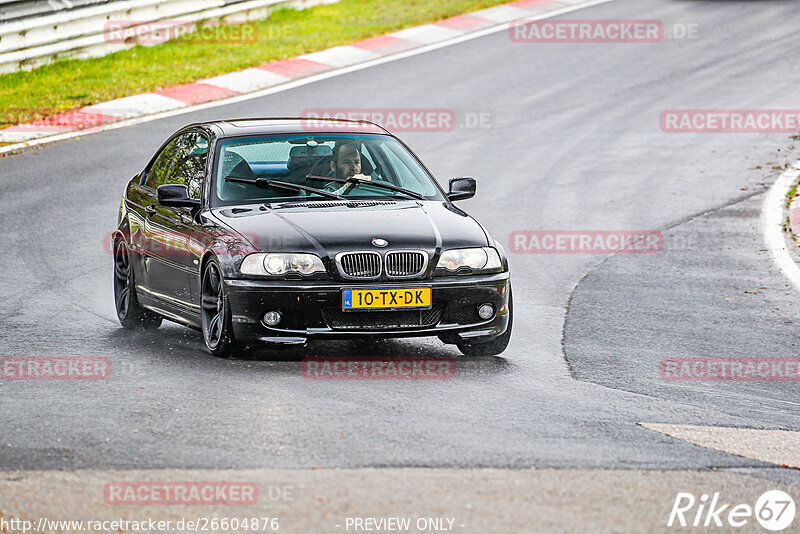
[176,196]
[462,188]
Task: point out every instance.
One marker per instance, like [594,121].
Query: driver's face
[348,163]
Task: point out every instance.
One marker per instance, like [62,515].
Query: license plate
[386,299]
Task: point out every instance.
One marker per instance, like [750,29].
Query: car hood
[327,228]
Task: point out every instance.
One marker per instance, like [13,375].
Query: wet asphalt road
[573,143]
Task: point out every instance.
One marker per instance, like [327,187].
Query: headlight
[278,264]
[477,259]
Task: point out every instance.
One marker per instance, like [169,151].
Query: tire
[130,313]
[215,313]
[495,346]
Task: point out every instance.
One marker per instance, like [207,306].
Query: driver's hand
[362,177]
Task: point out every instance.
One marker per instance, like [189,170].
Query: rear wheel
[130,313]
[216,312]
[495,346]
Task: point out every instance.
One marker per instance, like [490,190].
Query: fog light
[272,318]
[485,311]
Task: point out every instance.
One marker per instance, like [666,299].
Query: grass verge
[71,84]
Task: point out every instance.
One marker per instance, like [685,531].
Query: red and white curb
[280,75]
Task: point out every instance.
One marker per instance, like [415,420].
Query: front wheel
[495,346]
[130,313]
[216,312]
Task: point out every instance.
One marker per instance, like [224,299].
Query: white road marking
[772,219]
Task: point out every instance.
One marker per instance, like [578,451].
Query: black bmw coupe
[283,230]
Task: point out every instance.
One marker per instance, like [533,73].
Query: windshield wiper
[264,183]
[407,192]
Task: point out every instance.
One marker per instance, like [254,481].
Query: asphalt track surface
[573,143]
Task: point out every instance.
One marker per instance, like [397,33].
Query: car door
[168,232]
[189,169]
[143,204]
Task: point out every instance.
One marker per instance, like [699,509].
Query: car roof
[293,125]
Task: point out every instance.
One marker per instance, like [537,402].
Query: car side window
[157,174]
[189,165]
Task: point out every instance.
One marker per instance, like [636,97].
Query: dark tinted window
[157,174]
[189,166]
[182,161]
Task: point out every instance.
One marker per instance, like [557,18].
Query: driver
[346,163]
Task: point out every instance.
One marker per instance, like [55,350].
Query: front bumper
[313,309]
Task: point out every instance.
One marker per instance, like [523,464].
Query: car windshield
[306,160]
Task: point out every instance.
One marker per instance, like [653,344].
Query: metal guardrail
[12,10]
[81,32]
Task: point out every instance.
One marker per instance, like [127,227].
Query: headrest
[318,158]
[234,164]
[306,151]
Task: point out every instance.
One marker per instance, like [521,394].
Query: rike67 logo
[774,510]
